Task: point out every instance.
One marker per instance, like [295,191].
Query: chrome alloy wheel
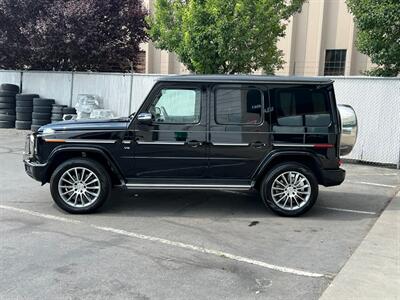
[291,190]
[79,187]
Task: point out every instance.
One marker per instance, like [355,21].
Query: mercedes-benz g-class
[280,136]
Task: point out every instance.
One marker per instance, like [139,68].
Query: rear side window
[300,107]
[238,106]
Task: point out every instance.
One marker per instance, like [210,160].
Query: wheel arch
[61,154]
[302,157]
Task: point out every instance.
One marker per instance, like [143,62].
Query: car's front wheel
[289,189]
[80,185]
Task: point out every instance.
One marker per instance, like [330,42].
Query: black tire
[23,125]
[10,88]
[59,106]
[40,122]
[43,102]
[7,94]
[57,116]
[93,166]
[7,124]
[23,109]
[7,105]
[7,99]
[24,116]
[69,111]
[41,116]
[26,97]
[57,110]
[42,109]
[7,111]
[8,118]
[278,170]
[35,128]
[24,104]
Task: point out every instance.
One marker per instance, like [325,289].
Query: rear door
[302,119]
[238,132]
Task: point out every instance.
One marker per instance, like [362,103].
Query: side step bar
[172,186]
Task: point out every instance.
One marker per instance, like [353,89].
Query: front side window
[300,107]
[179,106]
[238,106]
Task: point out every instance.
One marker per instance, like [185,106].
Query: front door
[239,132]
[173,146]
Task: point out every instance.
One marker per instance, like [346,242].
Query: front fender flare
[84,149]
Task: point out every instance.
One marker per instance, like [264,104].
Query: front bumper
[35,170]
[332,177]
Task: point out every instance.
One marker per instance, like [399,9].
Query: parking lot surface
[179,244]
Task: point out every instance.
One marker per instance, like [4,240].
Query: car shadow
[230,204]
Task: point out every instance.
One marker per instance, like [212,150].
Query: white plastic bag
[86,104]
[101,114]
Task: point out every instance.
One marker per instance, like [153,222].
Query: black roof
[246,79]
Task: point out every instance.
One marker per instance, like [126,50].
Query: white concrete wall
[13,77]
[113,89]
[53,85]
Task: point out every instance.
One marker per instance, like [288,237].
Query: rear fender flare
[292,155]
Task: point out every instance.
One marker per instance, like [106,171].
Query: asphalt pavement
[179,244]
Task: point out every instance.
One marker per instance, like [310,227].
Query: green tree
[378,36]
[220,36]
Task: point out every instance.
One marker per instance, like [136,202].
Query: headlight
[32,145]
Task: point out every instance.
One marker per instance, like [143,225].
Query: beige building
[319,41]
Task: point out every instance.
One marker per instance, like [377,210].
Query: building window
[335,62]
[141,66]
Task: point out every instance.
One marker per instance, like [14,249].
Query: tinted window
[177,106]
[300,107]
[238,106]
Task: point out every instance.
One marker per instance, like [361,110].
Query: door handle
[194,144]
[258,145]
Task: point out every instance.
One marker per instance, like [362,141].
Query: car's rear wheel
[289,189]
[80,186]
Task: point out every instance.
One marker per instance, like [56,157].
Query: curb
[373,271]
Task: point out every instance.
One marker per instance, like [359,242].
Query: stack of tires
[42,110]
[7,105]
[24,110]
[57,112]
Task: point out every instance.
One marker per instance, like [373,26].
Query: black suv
[277,135]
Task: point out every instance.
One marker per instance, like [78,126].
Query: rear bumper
[35,170]
[332,177]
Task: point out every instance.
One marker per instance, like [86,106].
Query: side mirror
[145,118]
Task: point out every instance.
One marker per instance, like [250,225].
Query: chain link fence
[377,104]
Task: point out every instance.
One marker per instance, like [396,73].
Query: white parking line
[371,183]
[36,214]
[173,243]
[375,174]
[349,210]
